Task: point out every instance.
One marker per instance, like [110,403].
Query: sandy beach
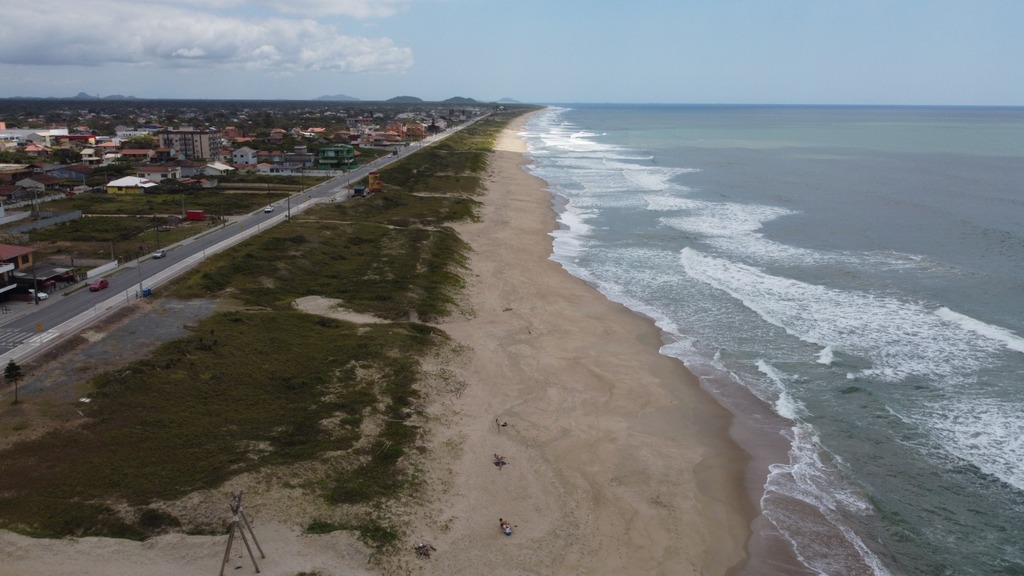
[616,462]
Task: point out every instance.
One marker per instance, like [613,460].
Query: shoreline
[618,461]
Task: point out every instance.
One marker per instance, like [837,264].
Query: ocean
[860,270]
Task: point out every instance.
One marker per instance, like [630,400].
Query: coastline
[618,461]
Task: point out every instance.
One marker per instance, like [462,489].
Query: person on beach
[499,461]
[505,526]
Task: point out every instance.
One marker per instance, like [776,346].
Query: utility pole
[35,284]
[138,264]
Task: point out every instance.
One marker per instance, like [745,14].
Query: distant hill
[405,100]
[339,98]
[84,96]
[461,100]
[509,101]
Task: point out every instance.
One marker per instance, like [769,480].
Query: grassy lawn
[214,202]
[127,226]
[265,385]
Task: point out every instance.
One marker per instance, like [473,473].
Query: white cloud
[361,9]
[354,8]
[138,32]
[189,53]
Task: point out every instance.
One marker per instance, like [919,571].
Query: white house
[216,169]
[244,155]
[89,156]
[130,185]
[159,173]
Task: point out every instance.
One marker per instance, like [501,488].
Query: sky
[904,52]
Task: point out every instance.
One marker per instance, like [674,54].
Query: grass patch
[214,202]
[375,532]
[229,399]
[95,229]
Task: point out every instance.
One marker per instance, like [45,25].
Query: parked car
[268,209]
[98,285]
[38,295]
[159,253]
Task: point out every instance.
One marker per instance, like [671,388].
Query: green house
[337,156]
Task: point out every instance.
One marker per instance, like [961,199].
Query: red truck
[195,215]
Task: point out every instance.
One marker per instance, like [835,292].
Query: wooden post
[236,526]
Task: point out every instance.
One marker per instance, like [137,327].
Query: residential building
[73,173]
[11,173]
[216,169]
[130,185]
[12,258]
[244,155]
[90,156]
[40,183]
[159,173]
[201,144]
[36,150]
[124,133]
[264,168]
[300,156]
[189,168]
[137,154]
[14,193]
[337,156]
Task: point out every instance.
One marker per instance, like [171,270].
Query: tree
[140,143]
[12,373]
[66,156]
[14,157]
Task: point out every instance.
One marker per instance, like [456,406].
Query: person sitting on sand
[505,526]
[499,461]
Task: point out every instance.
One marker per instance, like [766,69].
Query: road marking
[10,337]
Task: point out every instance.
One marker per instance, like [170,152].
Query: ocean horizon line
[749,105]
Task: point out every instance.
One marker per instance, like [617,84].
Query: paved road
[28,329]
